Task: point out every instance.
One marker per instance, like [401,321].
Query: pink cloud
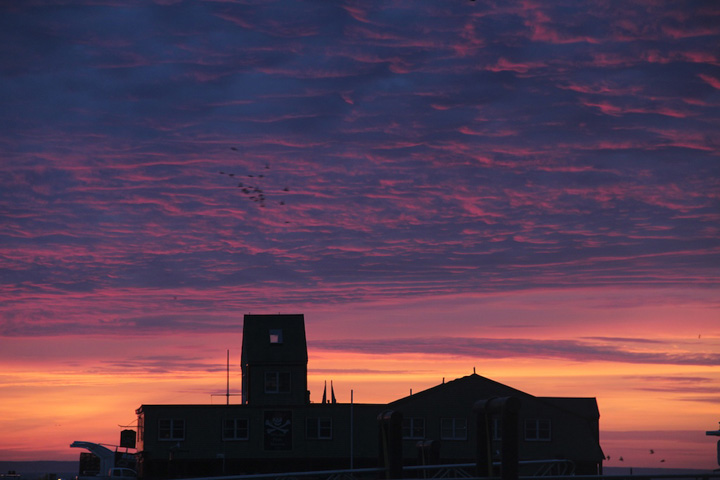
[357,13]
[712,81]
[609,108]
[604,88]
[544,33]
[507,132]
[680,32]
[503,65]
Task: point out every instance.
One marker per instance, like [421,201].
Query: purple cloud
[576,350]
[412,150]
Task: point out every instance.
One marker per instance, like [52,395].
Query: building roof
[583,406]
[273,339]
[482,388]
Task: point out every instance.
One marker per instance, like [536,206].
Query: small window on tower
[276,336]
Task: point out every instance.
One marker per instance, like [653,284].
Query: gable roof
[473,382]
[481,388]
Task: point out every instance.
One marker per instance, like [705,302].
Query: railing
[642,476]
[540,468]
[347,474]
[448,472]
[544,469]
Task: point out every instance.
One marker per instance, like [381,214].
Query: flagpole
[352,424]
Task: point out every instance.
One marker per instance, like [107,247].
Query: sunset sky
[527,188]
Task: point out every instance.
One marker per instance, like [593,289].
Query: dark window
[413,428]
[453,428]
[171,429]
[537,430]
[496,428]
[235,429]
[276,335]
[319,428]
[277,382]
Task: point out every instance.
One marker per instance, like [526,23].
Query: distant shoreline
[31,470]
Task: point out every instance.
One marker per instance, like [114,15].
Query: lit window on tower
[276,336]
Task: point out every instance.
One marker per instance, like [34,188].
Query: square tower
[274,360]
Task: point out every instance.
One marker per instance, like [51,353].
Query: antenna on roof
[227,393]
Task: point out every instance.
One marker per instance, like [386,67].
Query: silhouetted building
[277,428]
[274,360]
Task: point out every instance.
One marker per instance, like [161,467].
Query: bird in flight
[253,192]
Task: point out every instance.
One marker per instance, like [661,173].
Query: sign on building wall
[278,430]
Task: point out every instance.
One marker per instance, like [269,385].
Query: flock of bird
[621,459]
[251,189]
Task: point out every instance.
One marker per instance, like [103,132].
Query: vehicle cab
[120,473]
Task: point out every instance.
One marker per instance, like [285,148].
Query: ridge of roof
[474,377]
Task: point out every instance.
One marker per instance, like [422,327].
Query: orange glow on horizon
[98,384]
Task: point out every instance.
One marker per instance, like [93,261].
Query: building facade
[276,427]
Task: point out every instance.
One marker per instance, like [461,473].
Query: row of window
[456,429]
[413,428]
[239,429]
